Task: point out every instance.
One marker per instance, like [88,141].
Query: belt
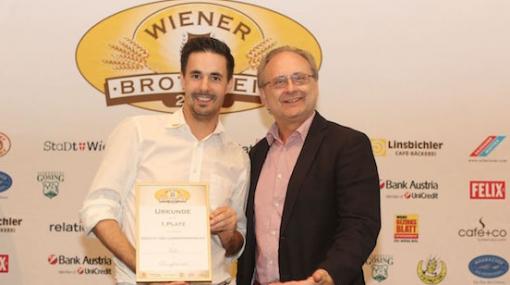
[255,282]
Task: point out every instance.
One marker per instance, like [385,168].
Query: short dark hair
[207,44]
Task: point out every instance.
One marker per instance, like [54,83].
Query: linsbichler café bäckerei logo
[133,56]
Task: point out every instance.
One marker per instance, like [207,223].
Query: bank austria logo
[488,266]
[9,224]
[487,190]
[5,182]
[4,263]
[405,148]
[98,265]
[406,228]
[74,146]
[5,144]
[432,270]
[50,181]
[483,232]
[379,265]
[410,189]
[483,152]
[133,56]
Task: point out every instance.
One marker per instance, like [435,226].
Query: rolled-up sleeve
[114,178]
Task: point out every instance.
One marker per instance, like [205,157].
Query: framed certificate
[173,240]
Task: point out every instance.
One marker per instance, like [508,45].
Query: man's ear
[262,95]
[182,80]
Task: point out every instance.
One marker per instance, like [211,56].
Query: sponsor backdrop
[428,81]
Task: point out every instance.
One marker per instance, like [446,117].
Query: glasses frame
[297,78]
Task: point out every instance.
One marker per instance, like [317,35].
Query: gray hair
[303,53]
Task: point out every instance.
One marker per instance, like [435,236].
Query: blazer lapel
[258,158]
[303,164]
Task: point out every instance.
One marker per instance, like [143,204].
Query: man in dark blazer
[313,210]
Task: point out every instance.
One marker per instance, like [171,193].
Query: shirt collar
[176,121]
[301,131]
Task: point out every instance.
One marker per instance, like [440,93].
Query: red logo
[80,270]
[4,263]
[487,190]
[52,259]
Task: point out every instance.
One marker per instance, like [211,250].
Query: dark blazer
[331,216]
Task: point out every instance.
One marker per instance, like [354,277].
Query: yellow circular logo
[133,57]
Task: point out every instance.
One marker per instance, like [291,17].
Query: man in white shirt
[189,145]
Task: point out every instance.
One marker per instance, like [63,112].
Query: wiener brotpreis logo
[5,144]
[483,153]
[405,148]
[133,56]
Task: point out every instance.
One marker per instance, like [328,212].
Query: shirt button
[279,176]
[276,204]
[273,232]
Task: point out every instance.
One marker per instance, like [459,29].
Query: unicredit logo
[487,190]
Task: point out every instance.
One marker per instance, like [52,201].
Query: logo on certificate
[172,195]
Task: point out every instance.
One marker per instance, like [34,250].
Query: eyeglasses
[282,81]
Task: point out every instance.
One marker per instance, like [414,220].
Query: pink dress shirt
[270,197]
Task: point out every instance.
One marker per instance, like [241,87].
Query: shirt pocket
[220,191]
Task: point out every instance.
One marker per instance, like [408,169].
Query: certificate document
[173,241]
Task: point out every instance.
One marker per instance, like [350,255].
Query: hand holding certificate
[173,236]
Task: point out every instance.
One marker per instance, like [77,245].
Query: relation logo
[5,181]
[70,146]
[487,190]
[9,224]
[380,266]
[66,227]
[50,181]
[488,266]
[483,151]
[406,228]
[483,233]
[5,144]
[410,189]
[410,148]
[133,56]
[4,263]
[81,265]
[431,271]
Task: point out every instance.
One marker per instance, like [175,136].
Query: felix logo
[487,146]
[487,190]
[4,263]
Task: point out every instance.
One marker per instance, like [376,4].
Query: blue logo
[5,181]
[488,266]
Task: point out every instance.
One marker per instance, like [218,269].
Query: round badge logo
[133,57]
[5,181]
[5,144]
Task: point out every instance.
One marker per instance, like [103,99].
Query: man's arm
[112,237]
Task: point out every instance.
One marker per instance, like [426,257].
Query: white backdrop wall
[428,81]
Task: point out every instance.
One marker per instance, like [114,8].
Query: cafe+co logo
[133,56]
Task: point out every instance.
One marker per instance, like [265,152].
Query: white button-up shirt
[161,148]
